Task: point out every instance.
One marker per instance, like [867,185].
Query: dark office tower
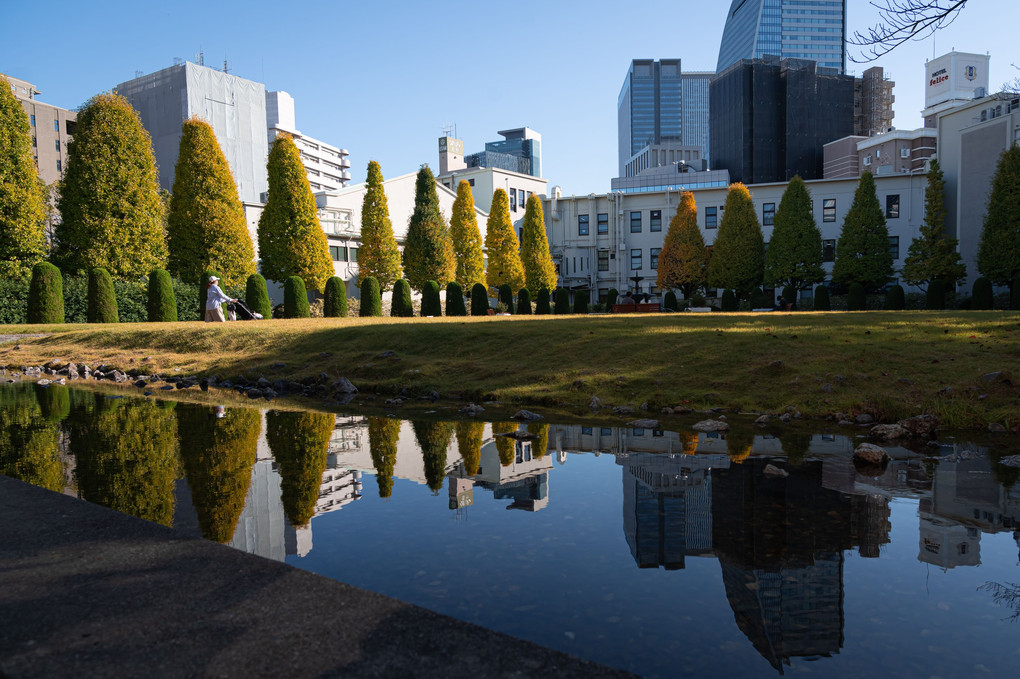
[805,29]
[771,117]
[649,107]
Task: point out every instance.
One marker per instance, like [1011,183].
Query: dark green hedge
[334,303]
[295,298]
[256,296]
[46,295]
[455,300]
[102,299]
[161,304]
[479,300]
[524,302]
[371,299]
[542,307]
[431,305]
[400,299]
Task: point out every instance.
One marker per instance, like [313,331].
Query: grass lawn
[889,364]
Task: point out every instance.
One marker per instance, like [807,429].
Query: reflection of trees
[126,455]
[299,442]
[218,454]
[1007,595]
[469,444]
[504,444]
[55,401]
[739,443]
[541,444]
[433,439]
[1004,474]
[28,440]
[795,445]
[383,433]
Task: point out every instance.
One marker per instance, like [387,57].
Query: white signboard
[956,75]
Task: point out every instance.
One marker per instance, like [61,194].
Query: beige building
[893,152]
[52,128]
[873,100]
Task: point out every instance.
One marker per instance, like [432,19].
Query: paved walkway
[88,592]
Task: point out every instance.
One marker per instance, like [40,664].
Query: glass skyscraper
[801,29]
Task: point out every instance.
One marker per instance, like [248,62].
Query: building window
[655,220]
[603,260]
[768,214]
[635,222]
[59,166]
[894,246]
[602,225]
[635,259]
[35,142]
[56,145]
[32,119]
[586,431]
[654,257]
[354,254]
[829,210]
[520,198]
[513,200]
[582,225]
[338,253]
[829,250]
[56,126]
[711,217]
[892,206]
[471,182]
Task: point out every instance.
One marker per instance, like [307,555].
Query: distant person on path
[214,298]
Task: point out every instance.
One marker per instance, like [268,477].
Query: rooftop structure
[327,166]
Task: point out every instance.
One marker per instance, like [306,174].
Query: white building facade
[327,166]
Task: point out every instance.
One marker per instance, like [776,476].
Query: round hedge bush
[506,296]
[102,298]
[371,300]
[46,295]
[790,296]
[524,302]
[982,295]
[256,296]
[455,299]
[669,301]
[822,302]
[856,299]
[334,301]
[895,299]
[935,298]
[542,307]
[757,299]
[479,300]
[581,302]
[161,303]
[400,299]
[611,298]
[431,305]
[562,301]
[729,301]
[295,298]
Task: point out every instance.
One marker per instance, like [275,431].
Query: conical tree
[22,198]
[433,439]
[371,298]
[469,444]
[291,241]
[205,226]
[299,441]
[933,253]
[505,445]
[400,301]
[383,434]
[683,262]
[539,270]
[505,267]
[794,256]
[738,254]
[428,252]
[467,239]
[862,252]
[379,255]
[998,257]
[110,206]
[102,301]
[256,296]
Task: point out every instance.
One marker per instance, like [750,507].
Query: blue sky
[381,79]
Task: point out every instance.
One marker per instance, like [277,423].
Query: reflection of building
[525,480]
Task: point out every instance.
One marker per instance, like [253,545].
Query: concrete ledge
[88,592]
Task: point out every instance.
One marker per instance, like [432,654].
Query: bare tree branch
[1006,595]
[903,20]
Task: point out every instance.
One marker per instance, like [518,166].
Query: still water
[660,552]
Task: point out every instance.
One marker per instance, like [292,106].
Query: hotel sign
[956,75]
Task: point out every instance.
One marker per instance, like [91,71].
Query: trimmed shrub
[371,301]
[455,299]
[430,302]
[479,300]
[982,296]
[894,298]
[295,298]
[542,307]
[935,299]
[256,296]
[334,302]
[400,300]
[822,299]
[161,303]
[757,299]
[46,295]
[506,295]
[13,300]
[729,300]
[669,301]
[102,298]
[562,301]
[581,302]
[790,296]
[856,300]
[524,302]
[611,298]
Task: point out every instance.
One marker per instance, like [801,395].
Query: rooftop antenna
[447,130]
[177,61]
[201,56]
[226,66]
[139,74]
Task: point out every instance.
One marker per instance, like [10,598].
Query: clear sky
[383,78]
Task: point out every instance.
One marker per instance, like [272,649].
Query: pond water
[660,552]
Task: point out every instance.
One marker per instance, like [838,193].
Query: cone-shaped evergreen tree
[862,252]
[479,300]
[998,257]
[455,300]
[379,255]
[433,439]
[738,254]
[428,252]
[505,445]
[794,256]
[110,206]
[505,267]
[469,444]
[205,225]
[46,294]
[383,434]
[256,296]
[430,302]
[539,270]
[371,298]
[683,262]
[334,303]
[102,301]
[291,241]
[400,302]
[162,303]
[22,199]
[299,442]
[933,254]
[295,298]
[467,239]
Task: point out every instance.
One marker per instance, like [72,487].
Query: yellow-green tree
[22,196]
[291,242]
[28,439]
[505,445]
[379,255]
[467,239]
[428,251]
[111,211]
[218,454]
[206,228]
[738,254]
[505,266]
[299,441]
[540,446]
[433,438]
[539,270]
[383,433]
[469,444]
[683,262]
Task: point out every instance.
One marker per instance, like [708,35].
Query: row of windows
[342,253]
[518,197]
[56,123]
[636,222]
[607,431]
[829,249]
[637,258]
